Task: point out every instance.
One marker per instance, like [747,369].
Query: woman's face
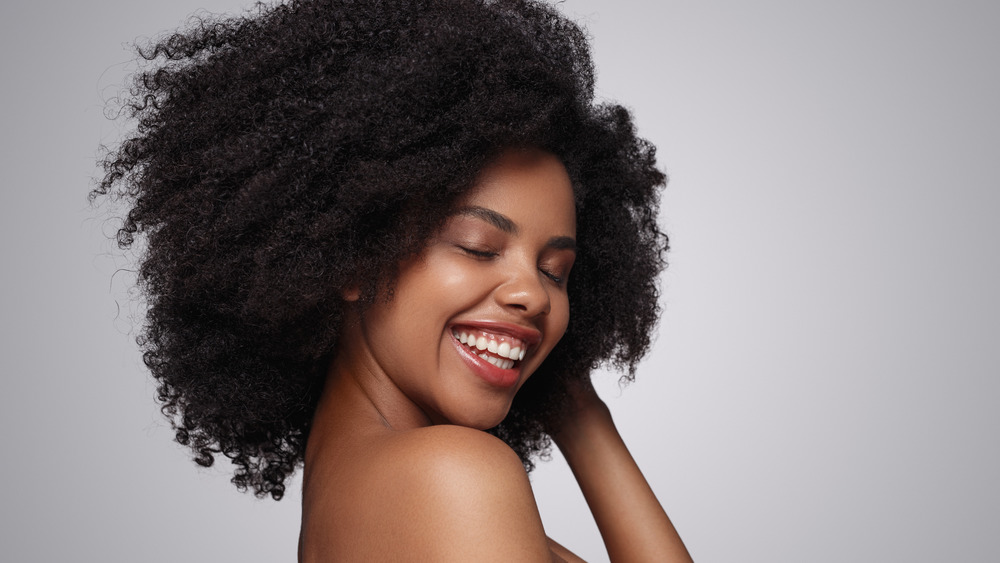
[482,306]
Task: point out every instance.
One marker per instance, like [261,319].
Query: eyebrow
[504,223]
[492,217]
[562,243]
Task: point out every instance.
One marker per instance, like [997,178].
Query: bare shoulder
[456,449]
[442,464]
[441,493]
[461,494]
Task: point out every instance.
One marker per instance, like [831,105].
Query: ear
[350,293]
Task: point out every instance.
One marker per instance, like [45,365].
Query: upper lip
[530,336]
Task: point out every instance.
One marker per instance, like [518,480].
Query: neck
[357,388]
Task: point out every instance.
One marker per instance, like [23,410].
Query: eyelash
[485,254]
[556,279]
[479,253]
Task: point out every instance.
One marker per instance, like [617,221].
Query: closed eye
[557,267]
[481,254]
[552,276]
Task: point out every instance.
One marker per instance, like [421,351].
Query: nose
[524,291]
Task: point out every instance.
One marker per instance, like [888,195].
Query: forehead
[527,186]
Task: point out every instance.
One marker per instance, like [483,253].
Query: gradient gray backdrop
[824,385]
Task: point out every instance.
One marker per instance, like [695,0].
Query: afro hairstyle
[298,149]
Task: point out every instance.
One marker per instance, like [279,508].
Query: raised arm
[632,523]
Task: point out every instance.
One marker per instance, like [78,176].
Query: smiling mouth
[501,350]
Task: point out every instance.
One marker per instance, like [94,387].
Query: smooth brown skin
[397,466]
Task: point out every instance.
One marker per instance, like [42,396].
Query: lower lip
[492,374]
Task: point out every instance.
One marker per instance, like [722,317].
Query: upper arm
[464,496]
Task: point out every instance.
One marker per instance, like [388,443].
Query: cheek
[457,280]
[559,317]
[429,284]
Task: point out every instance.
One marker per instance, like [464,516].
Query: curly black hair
[302,148]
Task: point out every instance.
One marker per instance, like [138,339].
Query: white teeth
[508,355]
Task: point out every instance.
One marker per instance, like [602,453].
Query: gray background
[824,385]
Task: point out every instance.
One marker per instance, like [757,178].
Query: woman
[365,225]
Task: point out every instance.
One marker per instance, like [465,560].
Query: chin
[482,419]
